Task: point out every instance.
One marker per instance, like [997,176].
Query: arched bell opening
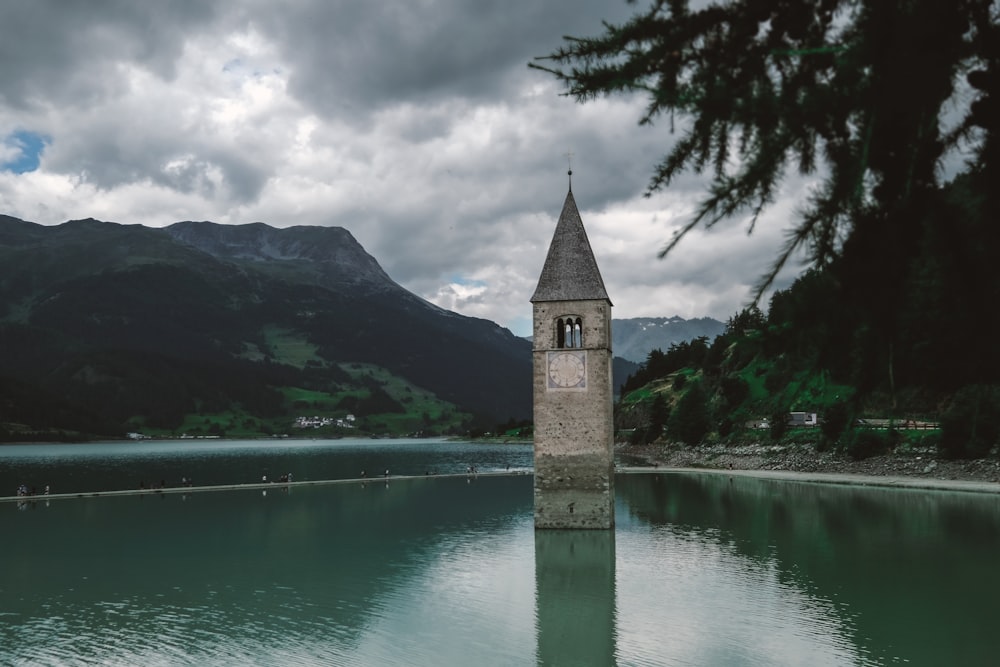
[569,332]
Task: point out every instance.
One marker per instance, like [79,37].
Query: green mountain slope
[227,327]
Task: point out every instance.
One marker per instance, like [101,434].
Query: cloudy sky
[415,124]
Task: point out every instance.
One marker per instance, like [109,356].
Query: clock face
[567,370]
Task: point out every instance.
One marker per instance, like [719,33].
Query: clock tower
[573,404]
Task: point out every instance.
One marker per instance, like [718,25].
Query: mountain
[141,328]
[635,338]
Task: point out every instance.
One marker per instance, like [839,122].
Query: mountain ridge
[79,298]
[634,338]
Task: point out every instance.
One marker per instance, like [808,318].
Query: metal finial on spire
[569,163]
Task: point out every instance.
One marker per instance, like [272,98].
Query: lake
[128,465]
[702,569]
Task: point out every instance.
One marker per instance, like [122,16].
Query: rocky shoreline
[804,458]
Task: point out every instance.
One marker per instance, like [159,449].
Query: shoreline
[251,486]
[912,482]
[834,479]
[912,469]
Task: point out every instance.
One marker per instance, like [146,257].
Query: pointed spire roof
[570,272]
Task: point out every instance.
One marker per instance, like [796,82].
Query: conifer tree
[866,96]
[659,413]
[690,421]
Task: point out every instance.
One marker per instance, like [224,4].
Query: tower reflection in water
[575,597]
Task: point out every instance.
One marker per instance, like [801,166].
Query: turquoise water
[127,465]
[701,570]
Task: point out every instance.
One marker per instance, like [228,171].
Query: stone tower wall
[574,437]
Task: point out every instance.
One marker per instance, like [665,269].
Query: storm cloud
[415,125]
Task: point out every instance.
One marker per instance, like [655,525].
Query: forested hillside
[829,345]
[205,329]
